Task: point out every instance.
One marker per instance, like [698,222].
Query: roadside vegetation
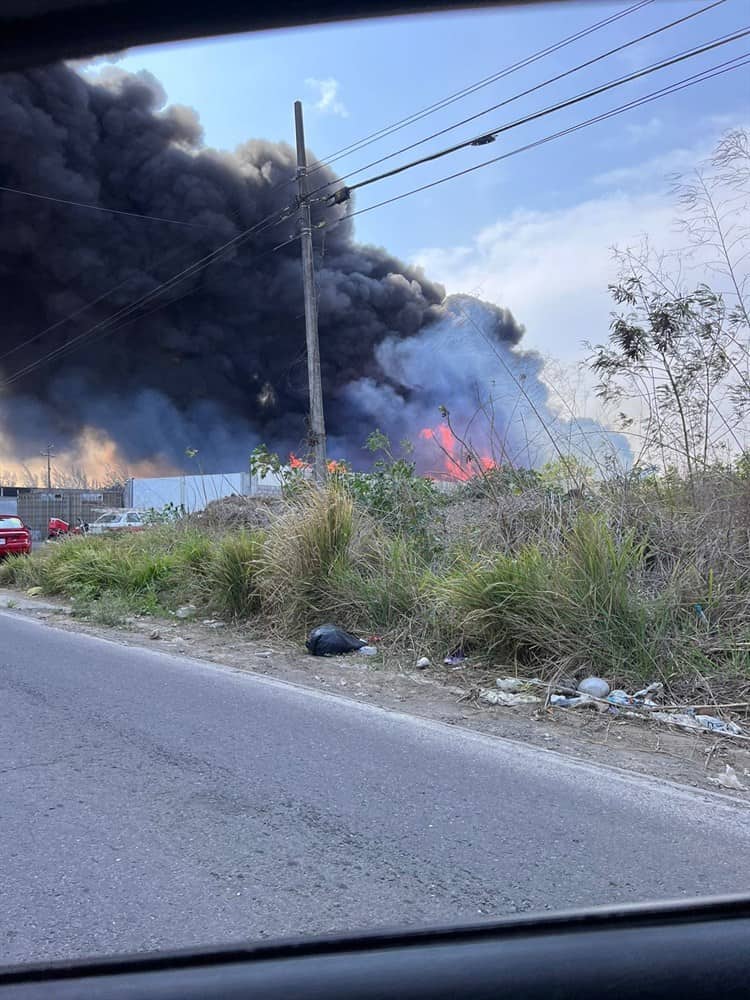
[640,578]
[639,571]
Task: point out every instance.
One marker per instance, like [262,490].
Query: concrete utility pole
[317,421]
[48,455]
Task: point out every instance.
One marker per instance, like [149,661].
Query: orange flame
[333,464]
[458,463]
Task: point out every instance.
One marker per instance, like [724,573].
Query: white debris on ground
[496,696]
[728,779]
[594,686]
[594,692]
[708,723]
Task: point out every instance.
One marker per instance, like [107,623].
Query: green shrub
[393,494]
[578,604]
[228,577]
[385,590]
[20,571]
[305,553]
[109,608]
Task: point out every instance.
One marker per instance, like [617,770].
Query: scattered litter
[213,623]
[34,591]
[700,614]
[654,688]
[186,611]
[595,686]
[718,725]
[682,719]
[510,684]
[368,650]
[568,701]
[423,663]
[708,723]
[619,697]
[155,634]
[638,700]
[728,779]
[265,653]
[493,696]
[455,657]
[329,640]
[516,691]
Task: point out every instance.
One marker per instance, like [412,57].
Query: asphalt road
[151,801]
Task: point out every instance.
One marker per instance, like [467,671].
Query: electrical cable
[188,271]
[284,213]
[104,326]
[191,291]
[486,81]
[470,89]
[101,208]
[735,63]
[344,192]
[525,93]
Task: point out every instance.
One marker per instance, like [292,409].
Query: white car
[118,520]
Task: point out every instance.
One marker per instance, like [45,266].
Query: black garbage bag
[328,640]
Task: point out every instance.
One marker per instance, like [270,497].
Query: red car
[15,537]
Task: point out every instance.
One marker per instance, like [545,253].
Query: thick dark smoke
[222,367]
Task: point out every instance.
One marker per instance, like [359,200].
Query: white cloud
[552,268]
[680,159]
[328,101]
[640,131]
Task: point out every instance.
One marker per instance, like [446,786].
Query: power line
[126,312]
[344,193]
[191,291]
[101,208]
[284,214]
[735,63]
[87,305]
[470,89]
[531,90]
[188,271]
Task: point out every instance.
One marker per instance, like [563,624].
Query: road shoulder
[439,693]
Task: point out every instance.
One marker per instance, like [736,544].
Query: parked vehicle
[118,520]
[57,528]
[15,536]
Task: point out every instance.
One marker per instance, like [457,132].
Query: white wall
[194,492]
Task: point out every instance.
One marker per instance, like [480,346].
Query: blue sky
[531,233]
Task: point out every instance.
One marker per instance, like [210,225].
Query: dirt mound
[239,512]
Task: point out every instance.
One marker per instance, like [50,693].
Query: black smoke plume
[218,363]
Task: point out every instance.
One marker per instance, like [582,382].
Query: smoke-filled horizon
[218,363]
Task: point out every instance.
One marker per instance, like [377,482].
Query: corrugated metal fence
[37,506]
